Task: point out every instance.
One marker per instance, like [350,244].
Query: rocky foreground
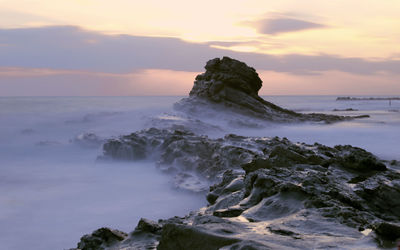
[269,193]
[262,193]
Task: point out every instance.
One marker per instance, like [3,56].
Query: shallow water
[52,190]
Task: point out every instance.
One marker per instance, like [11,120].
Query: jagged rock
[229,85]
[226,73]
[194,160]
[265,191]
[358,159]
[101,239]
[181,237]
[388,231]
[131,147]
[230,212]
[148,226]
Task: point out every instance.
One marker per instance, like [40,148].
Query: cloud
[48,82]
[273,26]
[328,83]
[71,48]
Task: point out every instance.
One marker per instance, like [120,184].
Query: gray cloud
[66,47]
[272,26]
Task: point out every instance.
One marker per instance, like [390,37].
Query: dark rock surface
[101,239]
[268,193]
[229,84]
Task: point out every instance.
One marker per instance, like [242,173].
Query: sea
[54,189]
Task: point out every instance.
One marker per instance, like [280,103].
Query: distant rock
[88,139]
[226,74]
[231,85]
[348,98]
[348,109]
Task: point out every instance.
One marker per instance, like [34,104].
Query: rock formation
[231,85]
[268,193]
[262,193]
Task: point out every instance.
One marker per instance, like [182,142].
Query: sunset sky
[129,47]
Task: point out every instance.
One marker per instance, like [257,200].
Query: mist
[54,189]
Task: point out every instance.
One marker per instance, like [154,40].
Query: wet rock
[148,226]
[131,147]
[281,231]
[251,245]
[382,197]
[181,237]
[358,159]
[388,231]
[255,164]
[194,161]
[265,190]
[230,212]
[101,239]
[394,163]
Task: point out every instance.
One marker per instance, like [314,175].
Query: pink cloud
[48,82]
[329,83]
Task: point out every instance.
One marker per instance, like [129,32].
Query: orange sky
[367,30]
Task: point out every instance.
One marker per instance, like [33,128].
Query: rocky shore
[262,193]
[268,192]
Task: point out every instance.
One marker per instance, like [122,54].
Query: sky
[129,47]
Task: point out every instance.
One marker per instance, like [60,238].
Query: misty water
[53,190]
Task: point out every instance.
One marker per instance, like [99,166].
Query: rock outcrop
[231,85]
[262,193]
[266,193]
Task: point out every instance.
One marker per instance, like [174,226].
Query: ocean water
[53,190]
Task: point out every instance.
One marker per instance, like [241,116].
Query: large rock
[232,86]
[223,74]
